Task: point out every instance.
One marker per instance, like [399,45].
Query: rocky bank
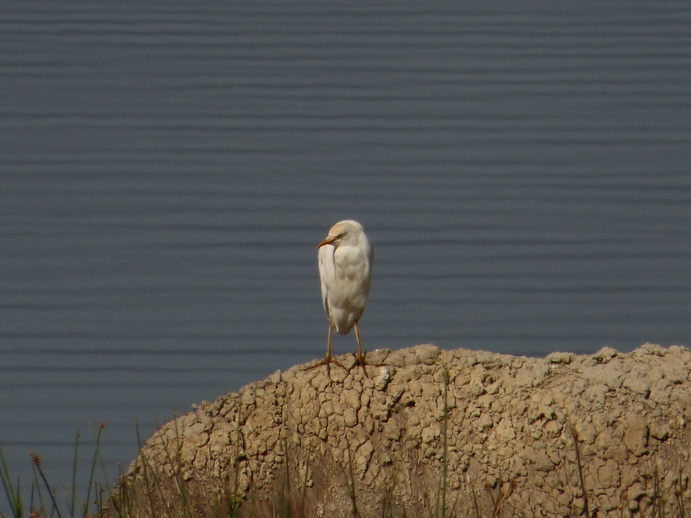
[486,434]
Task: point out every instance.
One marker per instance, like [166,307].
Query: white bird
[345,270]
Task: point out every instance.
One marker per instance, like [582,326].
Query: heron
[345,258]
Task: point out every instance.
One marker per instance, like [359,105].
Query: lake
[523,172]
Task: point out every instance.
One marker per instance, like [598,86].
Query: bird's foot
[360,360]
[328,360]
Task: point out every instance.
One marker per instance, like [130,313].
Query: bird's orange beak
[328,240]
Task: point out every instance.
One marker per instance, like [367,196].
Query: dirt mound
[469,430]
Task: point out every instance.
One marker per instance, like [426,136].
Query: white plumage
[345,271]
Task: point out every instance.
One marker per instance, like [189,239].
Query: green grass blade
[37,465]
[93,469]
[11,492]
[74,475]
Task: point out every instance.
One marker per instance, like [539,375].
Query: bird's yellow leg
[327,357]
[359,357]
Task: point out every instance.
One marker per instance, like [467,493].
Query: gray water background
[166,170]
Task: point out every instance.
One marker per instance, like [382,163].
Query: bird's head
[344,232]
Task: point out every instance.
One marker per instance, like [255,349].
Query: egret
[345,259]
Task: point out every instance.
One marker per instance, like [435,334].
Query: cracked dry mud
[503,427]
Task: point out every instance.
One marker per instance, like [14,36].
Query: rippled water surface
[167,170]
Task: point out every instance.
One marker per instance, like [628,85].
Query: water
[167,170]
